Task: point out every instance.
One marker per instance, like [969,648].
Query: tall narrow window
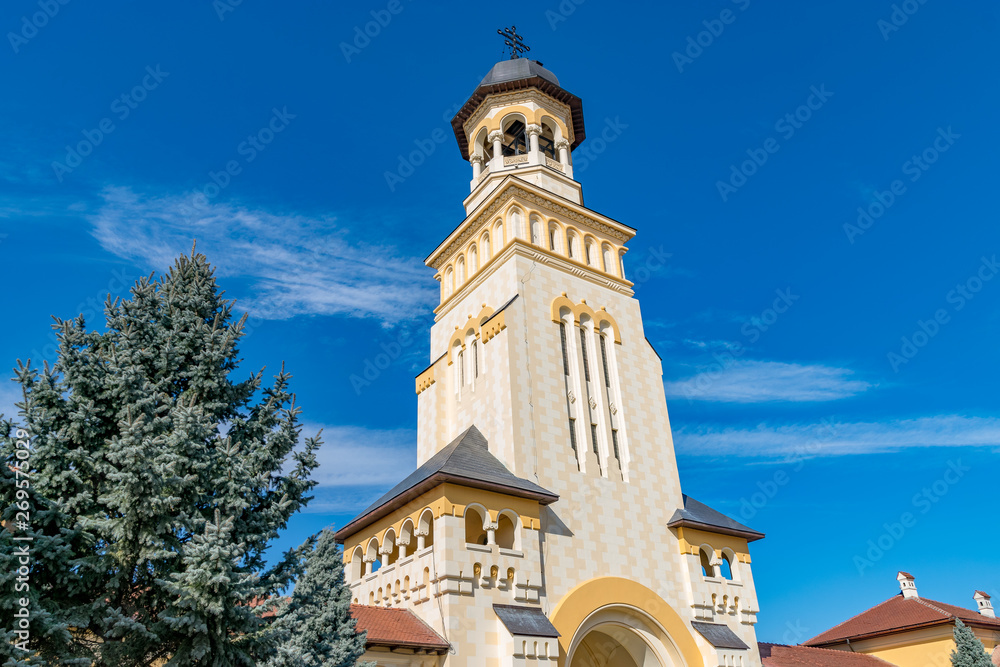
[461,368]
[562,339]
[475,358]
[572,434]
[593,436]
[586,361]
[604,362]
[614,442]
[552,238]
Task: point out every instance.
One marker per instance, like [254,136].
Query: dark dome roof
[520,68]
[518,74]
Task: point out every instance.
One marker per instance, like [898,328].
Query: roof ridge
[846,621]
[927,603]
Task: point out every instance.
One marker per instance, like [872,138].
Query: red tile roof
[985,595]
[907,575]
[396,628]
[899,614]
[777,655]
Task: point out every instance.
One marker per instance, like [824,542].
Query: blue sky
[866,215]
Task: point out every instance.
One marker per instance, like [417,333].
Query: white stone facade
[503,372]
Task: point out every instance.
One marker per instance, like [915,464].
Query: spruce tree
[969,651]
[316,625]
[157,482]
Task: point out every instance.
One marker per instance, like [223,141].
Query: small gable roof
[698,515]
[466,461]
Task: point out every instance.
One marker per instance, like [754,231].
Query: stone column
[477,165]
[534,155]
[562,145]
[496,136]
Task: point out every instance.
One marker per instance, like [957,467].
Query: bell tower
[546,512]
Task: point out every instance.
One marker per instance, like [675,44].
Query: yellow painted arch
[586,598]
[582,308]
[472,326]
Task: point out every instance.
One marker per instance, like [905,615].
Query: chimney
[907,584]
[983,604]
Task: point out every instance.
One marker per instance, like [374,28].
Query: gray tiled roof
[699,515]
[519,68]
[466,461]
[529,621]
[719,635]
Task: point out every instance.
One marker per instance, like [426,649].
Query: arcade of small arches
[718,565]
[522,135]
[550,235]
[482,528]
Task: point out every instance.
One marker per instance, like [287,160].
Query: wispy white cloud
[295,264]
[754,381]
[359,456]
[833,438]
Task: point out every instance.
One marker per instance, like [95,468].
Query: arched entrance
[628,613]
[620,636]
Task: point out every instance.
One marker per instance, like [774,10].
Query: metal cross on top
[514,41]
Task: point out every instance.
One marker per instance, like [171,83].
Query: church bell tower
[545,523]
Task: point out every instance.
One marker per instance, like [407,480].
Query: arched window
[591,253]
[486,247]
[707,569]
[449,282]
[460,369]
[461,271]
[371,598]
[609,259]
[536,230]
[506,532]
[547,139]
[574,246]
[474,531]
[726,567]
[389,539]
[426,528]
[357,564]
[473,260]
[499,238]
[516,225]
[515,140]
[484,146]
[553,233]
[475,359]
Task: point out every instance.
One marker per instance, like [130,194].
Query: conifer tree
[969,651]
[157,482]
[316,625]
